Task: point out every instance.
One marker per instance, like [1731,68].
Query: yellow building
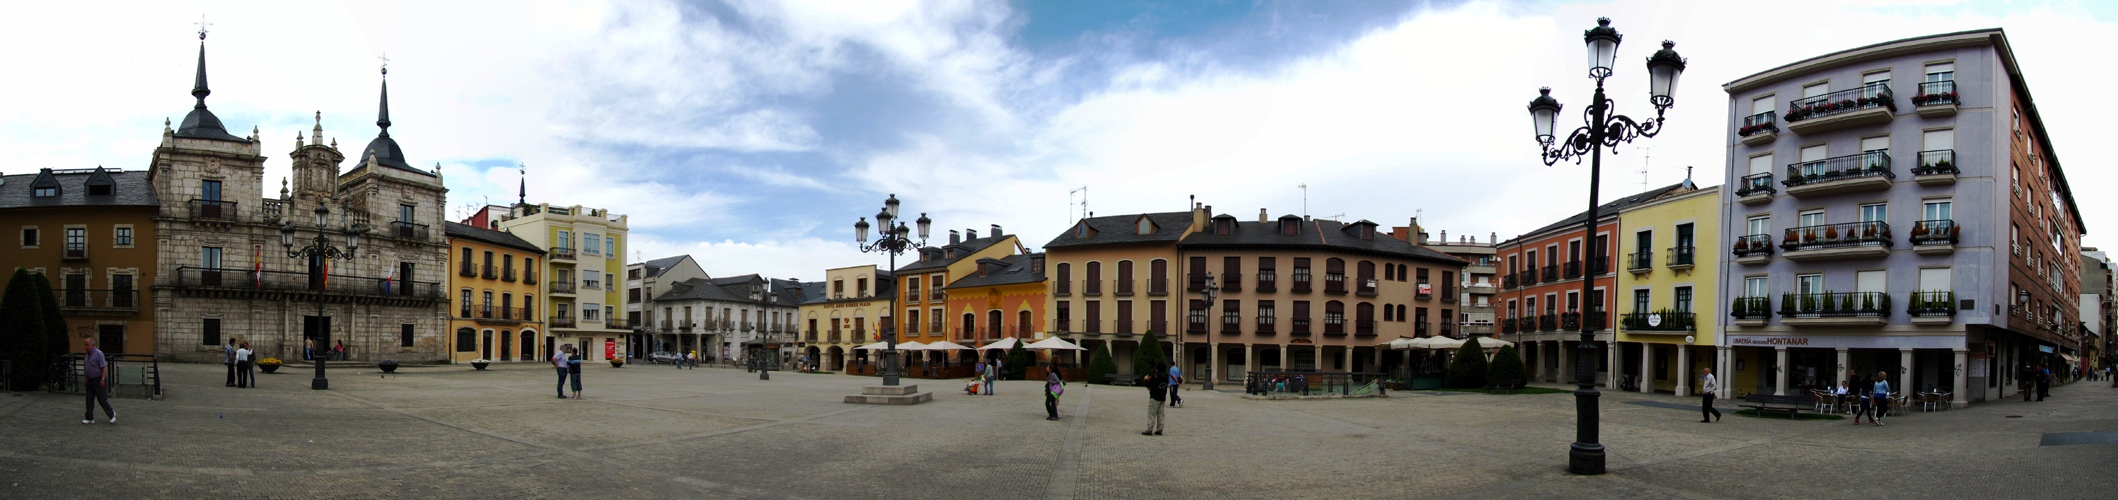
[494,301]
[925,301]
[1667,301]
[845,311]
[585,249]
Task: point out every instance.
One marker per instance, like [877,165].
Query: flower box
[480,363]
[387,366]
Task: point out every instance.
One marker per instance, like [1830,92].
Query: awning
[1006,343]
[943,346]
[1053,344]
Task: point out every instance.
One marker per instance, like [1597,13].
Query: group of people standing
[987,375]
[568,363]
[238,357]
[1870,397]
[2035,380]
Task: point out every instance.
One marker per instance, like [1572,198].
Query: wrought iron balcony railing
[1766,122]
[1750,308]
[1871,95]
[1662,321]
[1682,256]
[1836,235]
[1935,232]
[1869,164]
[1937,162]
[1835,304]
[75,301]
[1640,261]
[1754,244]
[1936,93]
[1759,183]
[213,210]
[289,281]
[404,230]
[562,253]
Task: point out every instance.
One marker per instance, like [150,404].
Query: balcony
[1507,325]
[1665,321]
[1548,322]
[1231,282]
[529,276]
[1335,284]
[1759,129]
[1063,324]
[1750,311]
[666,327]
[1936,99]
[1936,168]
[1507,281]
[409,231]
[1125,288]
[467,270]
[1755,188]
[1158,286]
[1301,283]
[1753,249]
[1480,288]
[749,327]
[79,302]
[1835,309]
[1334,327]
[271,210]
[1423,291]
[250,284]
[811,337]
[1265,326]
[507,275]
[1366,328]
[1447,330]
[212,210]
[937,295]
[1092,326]
[1870,104]
[1850,240]
[1682,258]
[1231,325]
[1267,282]
[1092,288]
[1365,288]
[1570,321]
[1298,327]
[1475,328]
[489,272]
[1419,329]
[1551,273]
[1868,171]
[565,287]
[1641,262]
[563,322]
[1935,237]
[74,252]
[616,324]
[1062,288]
[562,253]
[1448,293]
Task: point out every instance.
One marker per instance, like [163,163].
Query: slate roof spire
[382,119]
[384,150]
[201,124]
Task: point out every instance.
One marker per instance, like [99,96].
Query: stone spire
[382,118]
[201,124]
[522,192]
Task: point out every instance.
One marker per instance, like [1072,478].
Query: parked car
[661,357]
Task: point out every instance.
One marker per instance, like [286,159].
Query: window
[860,287]
[1937,140]
[45,191]
[1872,83]
[1810,218]
[1875,212]
[29,237]
[2015,239]
[76,240]
[1817,89]
[1640,301]
[1870,281]
[1231,315]
[465,310]
[466,340]
[1682,299]
[1146,227]
[1755,286]
[610,246]
[1934,280]
[591,244]
[1935,210]
[1761,164]
[590,312]
[1762,105]
[566,240]
[1941,72]
[404,334]
[1808,284]
[210,257]
[1265,314]
[1813,160]
[1875,152]
[487,304]
[210,332]
[2015,116]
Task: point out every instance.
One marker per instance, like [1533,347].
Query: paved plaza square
[655,432]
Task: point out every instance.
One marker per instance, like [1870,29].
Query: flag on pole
[257,274]
[389,280]
[327,271]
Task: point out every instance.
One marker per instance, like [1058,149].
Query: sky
[752,134]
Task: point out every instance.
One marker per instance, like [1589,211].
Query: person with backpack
[1053,387]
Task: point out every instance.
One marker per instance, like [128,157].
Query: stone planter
[268,368]
[387,366]
[480,365]
[617,363]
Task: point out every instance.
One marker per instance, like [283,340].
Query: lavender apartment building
[1895,208]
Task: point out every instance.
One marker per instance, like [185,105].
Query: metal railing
[1507,325]
[288,281]
[1835,304]
[1231,282]
[1766,122]
[1366,328]
[467,270]
[213,209]
[1507,281]
[489,272]
[409,230]
[90,300]
[1836,235]
[529,276]
[1313,383]
[1551,273]
[1931,303]
[1935,162]
[1548,322]
[1640,261]
[1871,95]
[507,275]
[137,375]
[1334,283]
[1682,256]
[1125,288]
[1935,93]
[1662,321]
[1268,282]
[1301,284]
[1091,288]
[1334,327]
[1158,286]
[1868,164]
[1573,269]
[1298,327]
[1753,244]
[1750,307]
[1755,184]
[560,322]
[562,253]
[1935,232]
[937,294]
[562,287]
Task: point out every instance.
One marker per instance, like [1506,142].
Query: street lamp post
[1210,291]
[895,240]
[1602,129]
[318,252]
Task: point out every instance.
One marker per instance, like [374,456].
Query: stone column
[1962,390]
[1904,372]
[1684,375]
[1565,358]
[1779,369]
[1319,357]
[1614,365]
[1250,359]
[1349,358]
[1845,365]
[1647,368]
[1725,360]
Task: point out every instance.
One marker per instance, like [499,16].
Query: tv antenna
[1083,191]
[1647,159]
[1305,199]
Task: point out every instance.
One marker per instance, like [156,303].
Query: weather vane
[202,26]
[385,63]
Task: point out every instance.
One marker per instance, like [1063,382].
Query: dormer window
[99,190]
[1224,226]
[45,192]
[1081,230]
[44,186]
[1146,226]
[1368,232]
[1290,226]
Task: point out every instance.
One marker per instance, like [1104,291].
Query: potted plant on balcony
[1846,302]
[269,365]
[1867,303]
[1918,304]
[1868,231]
[1787,304]
[1831,233]
[387,366]
[480,363]
[1808,303]
[1882,303]
[1739,308]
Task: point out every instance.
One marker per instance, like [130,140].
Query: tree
[1149,356]
[1507,367]
[1468,370]
[1099,364]
[1019,361]
[22,332]
[55,335]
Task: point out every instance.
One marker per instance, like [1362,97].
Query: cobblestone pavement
[656,432]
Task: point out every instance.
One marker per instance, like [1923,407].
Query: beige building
[585,251]
[843,312]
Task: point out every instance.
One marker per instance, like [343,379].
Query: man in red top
[97,368]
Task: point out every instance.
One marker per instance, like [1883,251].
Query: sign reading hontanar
[1769,341]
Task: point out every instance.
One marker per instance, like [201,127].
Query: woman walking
[1053,387]
[1880,397]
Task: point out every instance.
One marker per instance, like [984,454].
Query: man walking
[228,358]
[559,363]
[244,378]
[1707,389]
[97,368]
[1176,381]
[1157,382]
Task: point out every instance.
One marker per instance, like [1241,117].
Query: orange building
[925,282]
[1000,298]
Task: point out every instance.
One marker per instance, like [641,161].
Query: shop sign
[1849,341]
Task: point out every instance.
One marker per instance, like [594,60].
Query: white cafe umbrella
[873,347]
[1006,343]
[1053,344]
[1492,343]
[944,346]
[911,346]
[1437,343]
[1402,343]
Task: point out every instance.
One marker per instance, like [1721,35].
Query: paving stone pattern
[652,432]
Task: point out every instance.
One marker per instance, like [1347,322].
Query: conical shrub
[1507,366]
[1468,370]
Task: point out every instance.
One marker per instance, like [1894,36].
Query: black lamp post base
[1585,459]
[319,384]
[764,375]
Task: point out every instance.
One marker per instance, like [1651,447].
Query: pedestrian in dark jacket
[1053,385]
[1157,383]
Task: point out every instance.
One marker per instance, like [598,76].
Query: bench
[1118,379]
[1791,405]
[1503,386]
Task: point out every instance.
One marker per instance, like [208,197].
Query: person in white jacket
[1707,388]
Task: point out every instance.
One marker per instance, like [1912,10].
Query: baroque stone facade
[226,275]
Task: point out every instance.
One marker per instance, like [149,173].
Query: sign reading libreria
[1849,341]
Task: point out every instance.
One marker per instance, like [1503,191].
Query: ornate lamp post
[895,240]
[1210,291]
[1602,129]
[318,252]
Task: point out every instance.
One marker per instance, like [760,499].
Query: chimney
[970,234]
[1493,237]
[1261,215]
[955,237]
[996,231]
[1445,236]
